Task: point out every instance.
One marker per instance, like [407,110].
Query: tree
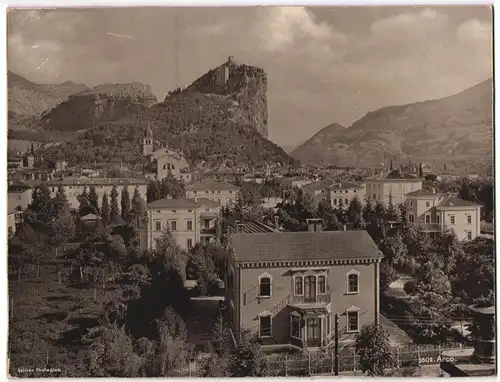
[374,350]
[94,200]
[474,275]
[114,213]
[40,210]
[170,186]
[466,192]
[125,204]
[153,191]
[138,209]
[387,276]
[395,250]
[110,353]
[139,274]
[327,213]
[247,359]
[105,209]
[420,171]
[355,214]
[84,201]
[431,302]
[391,213]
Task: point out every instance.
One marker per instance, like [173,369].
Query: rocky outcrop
[219,119]
[103,103]
[245,86]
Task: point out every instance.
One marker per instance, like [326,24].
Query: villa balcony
[318,299]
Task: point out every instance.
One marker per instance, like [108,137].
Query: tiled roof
[253,227]
[303,246]
[173,203]
[424,192]
[452,201]
[316,186]
[395,175]
[211,186]
[345,186]
[205,202]
[18,184]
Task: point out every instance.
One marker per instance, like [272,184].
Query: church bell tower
[147,143]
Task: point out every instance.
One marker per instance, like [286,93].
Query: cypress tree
[94,200]
[114,213]
[125,204]
[105,210]
[137,206]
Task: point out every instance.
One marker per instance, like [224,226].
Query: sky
[324,65]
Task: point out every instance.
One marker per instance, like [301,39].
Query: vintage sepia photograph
[250,192]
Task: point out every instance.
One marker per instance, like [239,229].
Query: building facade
[163,161]
[342,193]
[286,287]
[387,189]
[189,221]
[224,194]
[20,194]
[441,212]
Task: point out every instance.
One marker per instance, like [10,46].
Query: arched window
[298,290]
[265,285]
[353,282]
[321,285]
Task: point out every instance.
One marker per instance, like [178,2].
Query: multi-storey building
[189,221]
[341,194]
[286,287]
[163,161]
[318,191]
[73,187]
[224,194]
[439,212]
[295,181]
[20,194]
[391,188]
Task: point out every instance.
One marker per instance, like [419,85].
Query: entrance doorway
[313,332]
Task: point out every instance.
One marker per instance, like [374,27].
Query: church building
[163,160]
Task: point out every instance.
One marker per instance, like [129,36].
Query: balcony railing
[320,298]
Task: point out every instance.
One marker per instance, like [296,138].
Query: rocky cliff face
[220,119]
[27,99]
[245,86]
[102,103]
[456,131]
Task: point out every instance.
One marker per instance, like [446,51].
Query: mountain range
[455,130]
[28,99]
[221,118]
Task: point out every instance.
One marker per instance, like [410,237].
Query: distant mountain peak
[456,130]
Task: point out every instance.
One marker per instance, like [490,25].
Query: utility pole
[336,344]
